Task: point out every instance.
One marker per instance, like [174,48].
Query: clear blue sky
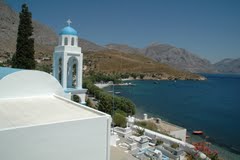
[208,28]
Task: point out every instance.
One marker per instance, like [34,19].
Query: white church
[38,121]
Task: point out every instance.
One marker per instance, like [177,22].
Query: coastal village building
[38,121]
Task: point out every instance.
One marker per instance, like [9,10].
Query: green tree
[121,112]
[159,142]
[175,145]
[134,75]
[24,56]
[75,98]
[89,103]
[119,120]
[142,76]
[106,100]
[105,104]
[140,132]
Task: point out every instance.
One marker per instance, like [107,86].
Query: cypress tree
[24,56]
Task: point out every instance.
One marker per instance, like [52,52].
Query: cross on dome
[68,30]
[69,22]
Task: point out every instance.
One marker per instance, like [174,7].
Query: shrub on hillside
[140,132]
[121,112]
[119,120]
[159,142]
[175,145]
[147,124]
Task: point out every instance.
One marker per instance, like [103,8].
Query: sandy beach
[102,85]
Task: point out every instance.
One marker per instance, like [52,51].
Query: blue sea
[212,106]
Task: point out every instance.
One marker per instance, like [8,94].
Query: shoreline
[201,78]
[224,150]
[102,85]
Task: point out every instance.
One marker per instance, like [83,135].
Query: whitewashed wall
[76,140]
[29,83]
[179,134]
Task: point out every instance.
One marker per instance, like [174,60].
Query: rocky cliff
[178,57]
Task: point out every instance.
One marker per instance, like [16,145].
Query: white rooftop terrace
[31,98]
[41,110]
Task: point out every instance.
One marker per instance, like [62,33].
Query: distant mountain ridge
[178,58]
[46,39]
[124,48]
[168,54]
[113,61]
[228,65]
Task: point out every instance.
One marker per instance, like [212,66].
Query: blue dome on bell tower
[68,30]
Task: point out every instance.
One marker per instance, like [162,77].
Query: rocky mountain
[89,46]
[124,48]
[176,57]
[45,38]
[112,61]
[228,66]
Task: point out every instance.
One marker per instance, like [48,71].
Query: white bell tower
[68,63]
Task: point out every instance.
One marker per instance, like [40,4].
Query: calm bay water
[212,105]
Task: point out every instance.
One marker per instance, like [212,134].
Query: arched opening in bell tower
[72,77]
[60,70]
[76,98]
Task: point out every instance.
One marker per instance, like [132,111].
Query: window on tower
[65,41]
[72,42]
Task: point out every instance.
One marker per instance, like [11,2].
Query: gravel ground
[119,154]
